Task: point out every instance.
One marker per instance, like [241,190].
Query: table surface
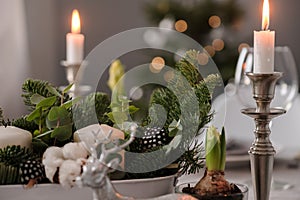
[237,174]
[283,175]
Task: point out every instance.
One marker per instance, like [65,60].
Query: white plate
[138,188]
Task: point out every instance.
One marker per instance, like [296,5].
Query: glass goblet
[286,88]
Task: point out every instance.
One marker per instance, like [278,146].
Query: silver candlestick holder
[262,151]
[72,76]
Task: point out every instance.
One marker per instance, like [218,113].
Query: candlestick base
[71,70]
[262,151]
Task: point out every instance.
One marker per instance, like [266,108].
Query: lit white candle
[264,42]
[75,41]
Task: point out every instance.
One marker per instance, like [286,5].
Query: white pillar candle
[264,42]
[11,135]
[75,41]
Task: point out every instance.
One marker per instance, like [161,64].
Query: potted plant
[213,184]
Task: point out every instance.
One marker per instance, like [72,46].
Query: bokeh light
[169,75]
[214,21]
[203,58]
[218,44]
[181,26]
[157,64]
[210,50]
[167,23]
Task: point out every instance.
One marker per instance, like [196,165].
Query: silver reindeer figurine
[95,171]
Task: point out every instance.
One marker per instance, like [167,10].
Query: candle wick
[265,27]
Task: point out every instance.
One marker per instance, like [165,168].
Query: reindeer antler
[98,164]
[105,152]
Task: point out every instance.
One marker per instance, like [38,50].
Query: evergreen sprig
[14,155]
[25,124]
[185,92]
[192,160]
[40,87]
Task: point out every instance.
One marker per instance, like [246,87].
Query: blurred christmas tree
[212,23]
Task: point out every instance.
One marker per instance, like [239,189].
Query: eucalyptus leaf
[174,127]
[51,124]
[54,113]
[54,91]
[62,133]
[119,117]
[173,144]
[172,132]
[67,89]
[57,112]
[36,98]
[34,115]
[68,104]
[47,102]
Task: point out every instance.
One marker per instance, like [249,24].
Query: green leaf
[173,132]
[69,103]
[53,90]
[51,124]
[110,116]
[34,115]
[67,89]
[57,112]
[133,109]
[223,150]
[54,113]
[47,102]
[39,146]
[174,127]
[117,117]
[173,144]
[36,98]
[62,133]
[213,149]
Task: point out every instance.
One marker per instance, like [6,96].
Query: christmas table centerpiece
[58,147]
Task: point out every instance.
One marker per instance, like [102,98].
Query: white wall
[14,62]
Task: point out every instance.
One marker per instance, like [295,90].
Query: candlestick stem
[71,75]
[262,151]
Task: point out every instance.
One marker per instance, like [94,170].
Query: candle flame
[75,22]
[266,15]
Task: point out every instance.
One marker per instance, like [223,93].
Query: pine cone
[150,139]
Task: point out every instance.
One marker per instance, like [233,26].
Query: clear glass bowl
[237,196]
